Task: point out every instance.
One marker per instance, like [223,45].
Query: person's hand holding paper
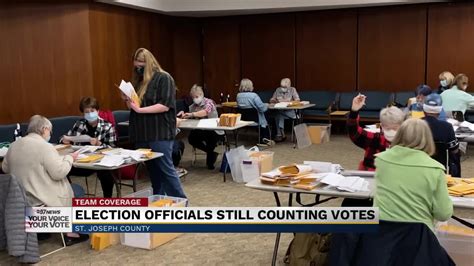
[128,90]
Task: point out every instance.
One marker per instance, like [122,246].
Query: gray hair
[415,133]
[196,90]
[38,123]
[246,85]
[392,116]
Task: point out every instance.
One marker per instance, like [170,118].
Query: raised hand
[358,102]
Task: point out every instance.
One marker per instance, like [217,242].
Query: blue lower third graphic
[223,228]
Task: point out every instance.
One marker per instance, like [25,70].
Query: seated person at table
[285,93]
[410,185]
[456,98]
[446,80]
[205,140]
[40,169]
[390,120]
[102,134]
[442,132]
[421,93]
[247,99]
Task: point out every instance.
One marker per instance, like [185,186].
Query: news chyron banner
[134,215]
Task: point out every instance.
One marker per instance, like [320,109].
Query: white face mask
[198,100]
[444,83]
[284,89]
[389,134]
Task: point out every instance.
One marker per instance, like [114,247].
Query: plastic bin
[459,247]
[150,240]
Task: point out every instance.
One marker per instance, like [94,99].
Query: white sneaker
[269,142]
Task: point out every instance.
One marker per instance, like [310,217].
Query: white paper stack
[467,124]
[282,104]
[346,183]
[111,161]
[324,167]
[208,123]
[78,139]
[127,88]
[88,149]
[125,154]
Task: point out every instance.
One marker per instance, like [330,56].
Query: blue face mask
[92,116]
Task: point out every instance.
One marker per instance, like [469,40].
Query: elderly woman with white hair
[247,99]
[284,93]
[41,170]
[390,120]
[411,186]
[204,140]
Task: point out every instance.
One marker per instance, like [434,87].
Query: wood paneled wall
[383,48]
[450,41]
[54,54]
[45,64]
[326,50]
[221,51]
[392,48]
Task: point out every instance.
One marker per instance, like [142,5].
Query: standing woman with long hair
[153,121]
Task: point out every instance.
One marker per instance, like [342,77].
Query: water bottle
[17,133]
[228,98]
[222,97]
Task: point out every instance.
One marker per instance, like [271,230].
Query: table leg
[117,176]
[277,240]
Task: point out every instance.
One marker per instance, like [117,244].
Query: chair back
[108,116]
[248,114]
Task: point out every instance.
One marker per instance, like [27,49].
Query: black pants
[205,140]
[105,177]
[178,150]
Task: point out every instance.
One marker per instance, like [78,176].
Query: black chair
[395,243]
[7,133]
[401,98]
[442,154]
[61,125]
[122,131]
[251,114]
[458,115]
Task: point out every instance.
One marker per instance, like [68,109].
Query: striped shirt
[158,126]
[206,104]
[104,131]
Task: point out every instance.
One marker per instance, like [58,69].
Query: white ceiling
[205,8]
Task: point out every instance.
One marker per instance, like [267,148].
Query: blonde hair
[461,78]
[391,116]
[415,133]
[246,85]
[38,123]
[195,90]
[448,76]
[286,81]
[151,66]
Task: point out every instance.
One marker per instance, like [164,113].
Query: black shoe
[43,236]
[211,160]
[75,240]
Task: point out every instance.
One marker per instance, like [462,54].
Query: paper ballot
[111,161]
[207,123]
[128,89]
[78,139]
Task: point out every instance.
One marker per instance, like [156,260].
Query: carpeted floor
[205,188]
